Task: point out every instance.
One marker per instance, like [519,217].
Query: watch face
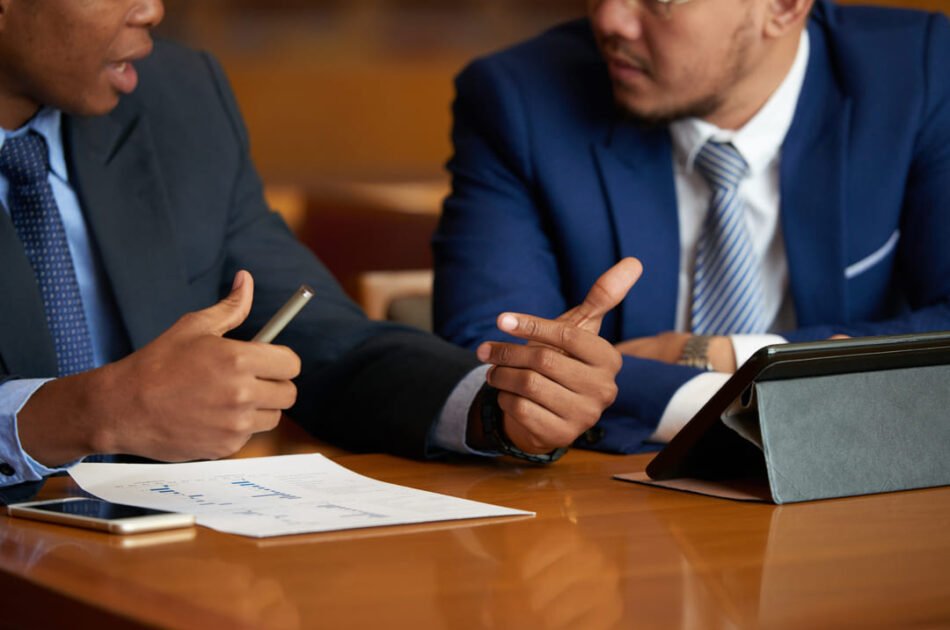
[695,352]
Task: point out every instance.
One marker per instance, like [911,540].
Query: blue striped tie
[24,161]
[727,281]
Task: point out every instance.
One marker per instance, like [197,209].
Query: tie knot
[24,159]
[721,164]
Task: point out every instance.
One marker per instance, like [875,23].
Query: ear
[786,15]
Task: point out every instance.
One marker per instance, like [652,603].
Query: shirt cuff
[450,428]
[745,346]
[686,402]
[13,395]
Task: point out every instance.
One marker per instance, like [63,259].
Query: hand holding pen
[189,394]
[286,313]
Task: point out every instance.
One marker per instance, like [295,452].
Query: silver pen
[286,313]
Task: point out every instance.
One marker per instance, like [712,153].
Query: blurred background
[347,103]
[352,89]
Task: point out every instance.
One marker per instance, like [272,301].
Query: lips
[624,70]
[123,77]
[122,74]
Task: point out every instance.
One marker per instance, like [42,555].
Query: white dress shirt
[759,142]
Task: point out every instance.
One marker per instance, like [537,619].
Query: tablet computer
[696,451]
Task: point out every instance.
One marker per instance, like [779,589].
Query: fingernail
[483,352]
[508,322]
[238,281]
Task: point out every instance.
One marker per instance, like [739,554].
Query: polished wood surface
[599,554]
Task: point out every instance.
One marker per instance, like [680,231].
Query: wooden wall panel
[361,89]
[355,90]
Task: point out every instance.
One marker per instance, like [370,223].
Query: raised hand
[557,385]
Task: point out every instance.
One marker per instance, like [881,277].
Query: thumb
[231,311]
[607,292]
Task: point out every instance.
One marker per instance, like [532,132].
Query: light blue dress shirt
[102,317]
[101,314]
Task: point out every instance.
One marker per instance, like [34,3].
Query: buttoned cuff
[16,465]
[746,345]
[452,425]
[686,402]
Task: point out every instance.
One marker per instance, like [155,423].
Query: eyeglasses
[661,8]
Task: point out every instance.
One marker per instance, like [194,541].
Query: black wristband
[493,428]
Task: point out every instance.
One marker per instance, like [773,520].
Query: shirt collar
[759,140]
[48,123]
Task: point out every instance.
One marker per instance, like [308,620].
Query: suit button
[7,469]
[592,435]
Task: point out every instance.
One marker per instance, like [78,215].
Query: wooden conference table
[599,554]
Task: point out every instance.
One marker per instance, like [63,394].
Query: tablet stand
[818,437]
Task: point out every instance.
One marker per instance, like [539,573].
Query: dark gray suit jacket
[175,208]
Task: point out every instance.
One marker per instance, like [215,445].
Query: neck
[16,112]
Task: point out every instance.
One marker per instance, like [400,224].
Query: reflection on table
[599,554]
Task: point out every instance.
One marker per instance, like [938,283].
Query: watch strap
[493,428]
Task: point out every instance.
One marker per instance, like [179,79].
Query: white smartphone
[114,518]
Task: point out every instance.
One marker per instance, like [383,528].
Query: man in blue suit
[138,258]
[822,132]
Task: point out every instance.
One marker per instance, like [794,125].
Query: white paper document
[275,496]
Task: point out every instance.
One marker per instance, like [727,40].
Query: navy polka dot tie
[24,161]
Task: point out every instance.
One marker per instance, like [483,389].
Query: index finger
[581,344]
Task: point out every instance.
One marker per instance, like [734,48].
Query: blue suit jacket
[175,208]
[551,186]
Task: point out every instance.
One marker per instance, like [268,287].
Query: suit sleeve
[368,386]
[494,250]
[923,258]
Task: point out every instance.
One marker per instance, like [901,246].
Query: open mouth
[122,76]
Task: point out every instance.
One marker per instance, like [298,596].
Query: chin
[644,116]
[97,107]
[657,116]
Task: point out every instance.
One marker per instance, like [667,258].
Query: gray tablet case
[815,421]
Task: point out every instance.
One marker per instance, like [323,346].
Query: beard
[661,117]
[699,106]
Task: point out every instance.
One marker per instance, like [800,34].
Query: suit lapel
[636,168]
[26,345]
[114,172]
[813,176]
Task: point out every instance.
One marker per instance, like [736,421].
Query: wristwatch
[696,353]
[493,428]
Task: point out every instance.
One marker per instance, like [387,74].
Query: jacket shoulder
[857,19]
[558,76]
[176,82]
[872,34]
[881,53]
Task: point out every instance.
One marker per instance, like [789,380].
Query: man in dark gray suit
[142,255]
